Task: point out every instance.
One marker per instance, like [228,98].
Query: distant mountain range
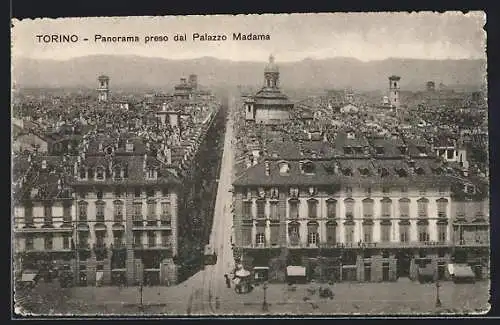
[158,73]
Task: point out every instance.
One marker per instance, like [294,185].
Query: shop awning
[261,267]
[349,266]
[294,270]
[242,273]
[98,276]
[426,271]
[28,276]
[463,271]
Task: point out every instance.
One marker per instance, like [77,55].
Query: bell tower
[394,91]
[271,74]
[103,88]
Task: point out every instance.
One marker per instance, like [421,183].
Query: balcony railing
[152,246]
[118,245]
[83,246]
[472,243]
[100,246]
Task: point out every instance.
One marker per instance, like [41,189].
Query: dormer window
[274,193]
[108,150]
[274,155]
[364,171]
[347,172]
[347,150]
[294,192]
[99,173]
[419,171]
[358,150]
[262,192]
[402,172]
[151,173]
[402,150]
[351,135]
[117,173]
[379,150]
[308,167]
[284,168]
[422,151]
[83,173]
[384,172]
[90,173]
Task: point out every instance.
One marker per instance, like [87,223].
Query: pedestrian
[228,281]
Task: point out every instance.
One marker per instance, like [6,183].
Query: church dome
[271,66]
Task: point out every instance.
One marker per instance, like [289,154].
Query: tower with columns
[103,88]
[394,91]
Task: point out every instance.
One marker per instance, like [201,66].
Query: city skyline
[293,37]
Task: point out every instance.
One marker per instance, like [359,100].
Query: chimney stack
[268,168]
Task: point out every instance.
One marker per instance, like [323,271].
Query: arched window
[99,173]
[83,173]
[402,172]
[284,168]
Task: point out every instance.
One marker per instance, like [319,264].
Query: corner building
[347,213]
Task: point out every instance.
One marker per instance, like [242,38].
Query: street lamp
[141,305]
[265,306]
[438,301]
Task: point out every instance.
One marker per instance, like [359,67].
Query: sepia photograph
[250,165]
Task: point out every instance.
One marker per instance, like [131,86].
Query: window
[118,211]
[100,206]
[67,212]
[404,234]
[150,193]
[422,207]
[294,192]
[90,173]
[49,245]
[404,208]
[82,211]
[308,168]
[402,172]
[137,213]
[294,210]
[28,214]
[274,232]
[423,233]
[313,238]
[137,239]
[349,208]
[66,242]
[165,238]
[284,168]
[29,242]
[367,208]
[137,192]
[349,234]
[47,214]
[367,233]
[274,210]
[151,239]
[312,208]
[386,190]
[99,195]
[386,207]
[404,189]
[274,193]
[331,209]
[117,173]
[348,191]
[99,173]
[293,234]
[246,236]
[164,191]
[83,173]
[247,210]
[260,238]
[442,233]
[331,234]
[442,206]
[385,233]
[151,174]
[261,209]
[151,212]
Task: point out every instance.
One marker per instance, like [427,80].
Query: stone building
[351,210]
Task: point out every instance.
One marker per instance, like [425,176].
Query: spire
[271,59]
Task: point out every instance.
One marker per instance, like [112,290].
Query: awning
[118,227]
[426,271]
[261,267]
[99,227]
[349,266]
[242,273]
[294,270]
[463,271]
[28,277]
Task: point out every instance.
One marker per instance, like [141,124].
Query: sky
[293,37]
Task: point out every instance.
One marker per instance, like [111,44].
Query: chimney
[44,164]
[268,168]
[301,164]
[336,169]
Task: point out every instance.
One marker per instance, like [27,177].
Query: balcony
[99,247]
[412,244]
[152,246]
[83,246]
[152,224]
[118,245]
[260,246]
[472,243]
